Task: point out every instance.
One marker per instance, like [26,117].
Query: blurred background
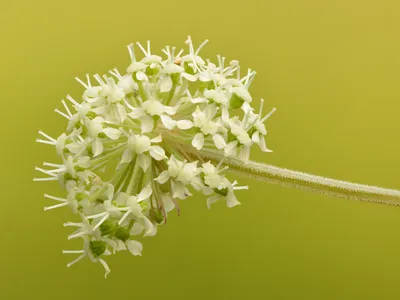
[332,69]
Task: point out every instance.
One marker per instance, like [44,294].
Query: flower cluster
[152,126]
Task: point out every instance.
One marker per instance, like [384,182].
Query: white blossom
[136,143]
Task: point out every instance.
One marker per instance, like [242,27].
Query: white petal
[75,147]
[230,148]
[134,247]
[168,203]
[198,100]
[112,133]
[144,162]
[157,152]
[244,153]
[171,110]
[141,76]
[165,84]
[219,141]
[184,124]
[225,114]
[151,230]
[207,190]
[120,246]
[157,139]
[137,228]
[126,156]
[136,113]
[147,124]
[121,113]
[145,193]
[168,122]
[97,147]
[197,183]
[189,77]
[163,177]
[262,145]
[231,200]
[179,190]
[212,200]
[198,141]
[256,136]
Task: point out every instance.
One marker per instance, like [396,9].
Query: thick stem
[304,181]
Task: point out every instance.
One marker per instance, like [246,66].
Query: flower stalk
[304,181]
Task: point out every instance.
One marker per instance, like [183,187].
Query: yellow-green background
[332,69]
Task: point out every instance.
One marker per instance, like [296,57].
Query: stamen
[241,187]
[45,142]
[124,217]
[47,172]
[250,80]
[97,215]
[165,50]
[76,235]
[62,114]
[180,53]
[52,165]
[46,136]
[101,221]
[141,48]
[55,198]
[88,80]
[81,82]
[56,206]
[68,224]
[261,106]
[117,72]
[222,63]
[268,115]
[201,46]
[131,50]
[70,99]
[148,47]
[73,251]
[76,260]
[66,108]
[98,78]
[45,179]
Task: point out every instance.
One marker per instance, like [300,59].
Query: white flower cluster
[151,125]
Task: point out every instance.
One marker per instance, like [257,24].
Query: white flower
[142,146]
[150,109]
[137,143]
[226,194]
[92,249]
[204,121]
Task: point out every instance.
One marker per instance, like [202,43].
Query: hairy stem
[304,181]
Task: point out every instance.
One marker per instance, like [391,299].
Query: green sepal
[107,227]
[222,192]
[97,247]
[236,101]
[122,234]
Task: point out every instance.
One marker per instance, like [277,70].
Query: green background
[332,69]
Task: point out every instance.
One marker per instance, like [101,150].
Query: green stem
[135,178]
[171,94]
[304,181]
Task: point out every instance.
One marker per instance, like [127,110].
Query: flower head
[153,125]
